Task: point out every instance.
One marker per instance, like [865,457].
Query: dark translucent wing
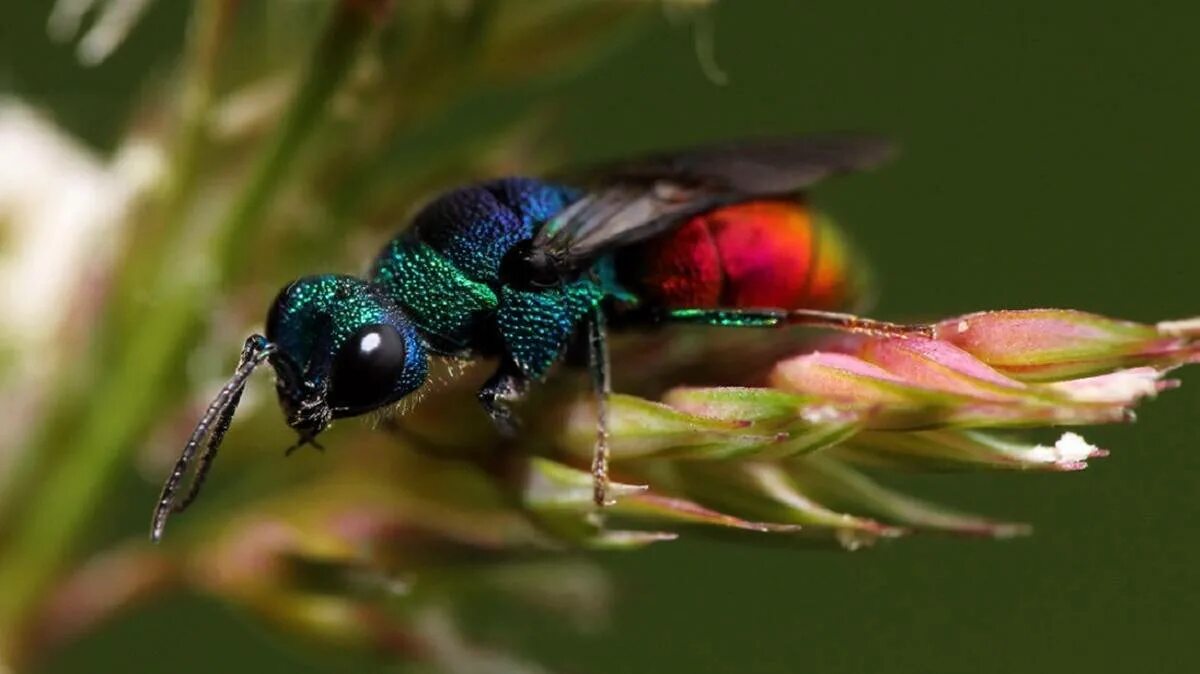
[632,201]
[765,166]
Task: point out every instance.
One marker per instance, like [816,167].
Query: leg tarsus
[303,440]
[502,389]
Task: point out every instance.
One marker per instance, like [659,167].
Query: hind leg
[601,388]
[777,318]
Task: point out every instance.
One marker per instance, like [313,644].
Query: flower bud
[1047,344]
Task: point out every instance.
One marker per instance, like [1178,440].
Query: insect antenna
[210,452]
[211,427]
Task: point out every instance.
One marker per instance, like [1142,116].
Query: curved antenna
[212,426]
[210,452]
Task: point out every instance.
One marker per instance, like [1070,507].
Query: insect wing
[633,201]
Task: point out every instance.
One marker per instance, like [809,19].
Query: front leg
[506,386]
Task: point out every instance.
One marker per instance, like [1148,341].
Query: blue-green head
[343,348]
[339,348]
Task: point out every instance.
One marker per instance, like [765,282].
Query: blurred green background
[1049,159]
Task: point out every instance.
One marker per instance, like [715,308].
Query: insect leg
[506,386]
[772,318]
[602,388]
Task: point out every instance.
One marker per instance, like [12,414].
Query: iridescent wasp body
[523,270]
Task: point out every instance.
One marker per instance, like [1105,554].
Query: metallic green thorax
[445,272]
[442,301]
[453,310]
[538,325]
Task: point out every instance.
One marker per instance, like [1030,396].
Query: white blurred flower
[60,210]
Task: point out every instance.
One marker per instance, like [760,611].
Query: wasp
[526,271]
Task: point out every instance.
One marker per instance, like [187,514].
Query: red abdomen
[749,255]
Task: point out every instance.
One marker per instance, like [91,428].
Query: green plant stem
[128,393]
[150,242]
[207,31]
[212,26]
[75,491]
[334,56]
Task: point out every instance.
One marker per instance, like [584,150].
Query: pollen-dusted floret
[792,453]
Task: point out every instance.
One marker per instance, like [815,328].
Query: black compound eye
[367,369]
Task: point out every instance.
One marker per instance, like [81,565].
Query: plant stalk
[128,392]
